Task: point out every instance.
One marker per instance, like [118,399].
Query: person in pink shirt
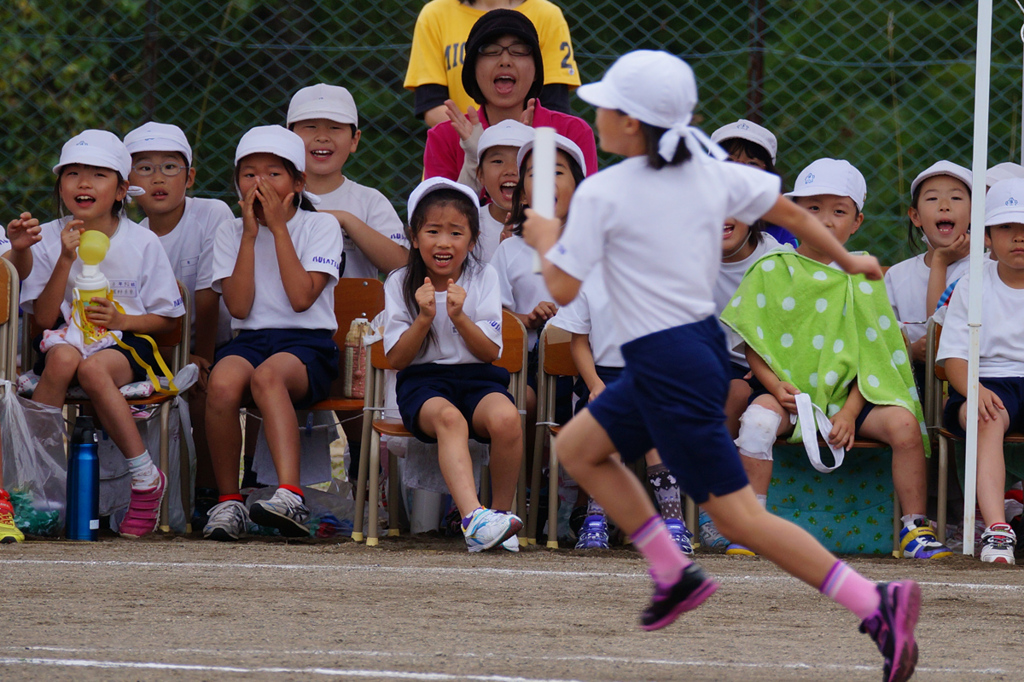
[504,74]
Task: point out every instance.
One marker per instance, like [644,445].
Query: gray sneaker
[227,521]
[283,511]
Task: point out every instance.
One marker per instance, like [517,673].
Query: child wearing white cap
[835,191]
[92,184]
[442,332]
[325,117]
[1001,368]
[497,174]
[162,165]
[276,267]
[653,223]
[940,210]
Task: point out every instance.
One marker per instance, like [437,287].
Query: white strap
[694,138]
[809,416]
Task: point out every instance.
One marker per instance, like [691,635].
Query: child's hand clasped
[425,299]
[844,428]
[250,227]
[539,232]
[275,209]
[544,311]
[23,231]
[786,393]
[960,248]
[70,237]
[456,299]
[102,313]
[989,405]
[864,265]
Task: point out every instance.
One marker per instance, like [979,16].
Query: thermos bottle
[83,518]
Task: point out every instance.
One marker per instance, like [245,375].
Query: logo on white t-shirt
[125,287]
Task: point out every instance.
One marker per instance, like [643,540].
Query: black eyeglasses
[168,170]
[496,50]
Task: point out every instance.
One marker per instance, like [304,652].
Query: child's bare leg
[586,452]
[762,422]
[735,404]
[439,419]
[61,366]
[197,411]
[100,376]
[276,384]
[227,389]
[991,484]
[497,418]
[898,427]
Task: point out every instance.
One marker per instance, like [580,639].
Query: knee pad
[758,428]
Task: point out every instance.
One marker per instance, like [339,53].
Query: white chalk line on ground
[354,672]
[447,570]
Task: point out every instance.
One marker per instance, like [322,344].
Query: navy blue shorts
[464,386]
[143,347]
[1009,389]
[605,374]
[315,348]
[671,395]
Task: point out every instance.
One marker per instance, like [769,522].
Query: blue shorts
[1009,389]
[464,386]
[605,374]
[315,348]
[671,395]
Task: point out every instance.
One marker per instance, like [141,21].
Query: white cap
[96,148]
[1003,171]
[1004,203]
[158,137]
[507,133]
[561,142]
[656,88]
[432,185]
[750,131]
[332,102]
[831,176]
[944,168]
[276,140]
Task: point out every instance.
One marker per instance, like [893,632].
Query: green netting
[886,85]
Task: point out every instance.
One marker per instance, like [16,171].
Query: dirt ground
[425,609]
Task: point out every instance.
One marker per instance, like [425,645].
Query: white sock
[763,499]
[911,519]
[144,472]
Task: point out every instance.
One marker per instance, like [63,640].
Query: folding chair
[177,340]
[513,359]
[9,294]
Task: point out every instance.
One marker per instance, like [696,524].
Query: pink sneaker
[144,510]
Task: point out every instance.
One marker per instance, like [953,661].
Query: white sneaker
[283,511]
[997,544]
[488,528]
[227,521]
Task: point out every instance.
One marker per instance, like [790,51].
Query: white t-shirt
[136,267]
[5,243]
[372,208]
[522,289]
[658,234]
[189,247]
[907,286]
[482,305]
[490,236]
[590,313]
[318,244]
[1002,326]
[729,278]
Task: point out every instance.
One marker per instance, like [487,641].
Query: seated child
[1001,360]
[92,183]
[186,226]
[284,356]
[834,191]
[940,209]
[442,331]
[498,175]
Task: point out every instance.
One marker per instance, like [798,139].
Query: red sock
[850,589]
[294,489]
[662,553]
[228,498]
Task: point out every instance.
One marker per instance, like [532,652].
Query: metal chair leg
[364,467]
[394,495]
[943,487]
[553,497]
[897,525]
[165,461]
[374,492]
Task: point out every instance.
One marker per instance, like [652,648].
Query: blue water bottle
[83,511]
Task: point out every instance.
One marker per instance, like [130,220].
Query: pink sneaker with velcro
[144,510]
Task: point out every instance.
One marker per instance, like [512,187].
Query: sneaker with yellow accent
[9,533]
[918,541]
[736,549]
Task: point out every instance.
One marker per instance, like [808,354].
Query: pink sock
[849,588]
[662,553]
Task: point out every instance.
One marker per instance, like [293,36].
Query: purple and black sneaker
[892,628]
[668,603]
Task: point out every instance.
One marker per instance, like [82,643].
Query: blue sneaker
[918,541]
[892,628]
[593,533]
[488,528]
[709,535]
[681,534]
[736,549]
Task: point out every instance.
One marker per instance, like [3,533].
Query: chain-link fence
[886,85]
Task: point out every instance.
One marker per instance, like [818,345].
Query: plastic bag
[34,462]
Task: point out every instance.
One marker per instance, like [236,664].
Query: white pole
[982,82]
[543,199]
